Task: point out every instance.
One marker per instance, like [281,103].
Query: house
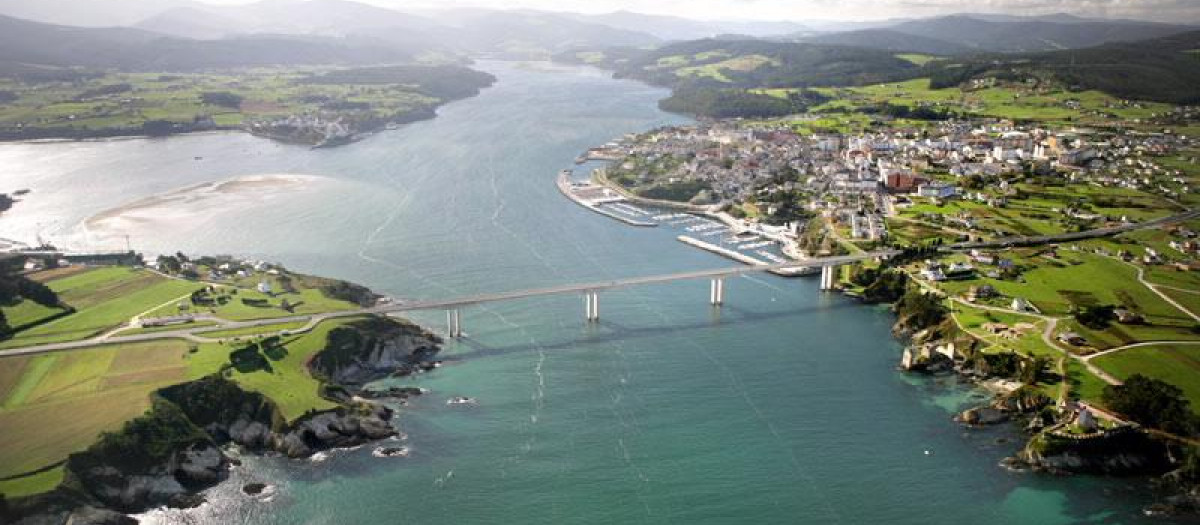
[981,292]
[264,287]
[1072,338]
[959,270]
[933,274]
[1085,420]
[936,190]
[1021,305]
[982,257]
[902,182]
[1125,316]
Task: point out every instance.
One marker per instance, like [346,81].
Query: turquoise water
[784,406]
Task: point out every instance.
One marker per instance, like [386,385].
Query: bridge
[589,291]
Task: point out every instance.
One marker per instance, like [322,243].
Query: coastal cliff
[372,349]
[1122,451]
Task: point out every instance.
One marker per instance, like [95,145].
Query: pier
[593,196]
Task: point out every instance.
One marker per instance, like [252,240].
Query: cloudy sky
[1163,10]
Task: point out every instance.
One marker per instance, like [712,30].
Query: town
[1083,314]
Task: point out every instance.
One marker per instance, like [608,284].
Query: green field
[288,382]
[1054,284]
[138,97]
[104,298]
[27,312]
[1175,364]
[715,70]
[243,302]
[917,58]
[1008,101]
[72,397]
[270,329]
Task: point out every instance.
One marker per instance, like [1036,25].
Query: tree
[221,98]
[1095,317]
[37,292]
[1153,403]
[1031,369]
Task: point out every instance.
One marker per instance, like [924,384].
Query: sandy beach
[192,203]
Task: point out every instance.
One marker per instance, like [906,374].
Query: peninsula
[160,411]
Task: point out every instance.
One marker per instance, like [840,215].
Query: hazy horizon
[1168,11]
[1174,11]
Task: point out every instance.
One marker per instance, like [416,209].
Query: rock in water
[95,516]
[982,416]
[254,489]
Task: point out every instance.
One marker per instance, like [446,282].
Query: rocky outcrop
[982,416]
[95,516]
[167,456]
[158,459]
[1122,451]
[229,414]
[344,427]
[372,349]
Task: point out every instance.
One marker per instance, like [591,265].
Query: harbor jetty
[596,197]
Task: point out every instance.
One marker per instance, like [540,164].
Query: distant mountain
[890,40]
[312,17]
[25,42]
[458,30]
[664,27]
[677,28]
[531,32]
[90,13]
[192,22]
[1024,34]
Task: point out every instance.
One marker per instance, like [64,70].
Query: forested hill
[25,42]
[1165,69]
[720,63]
[718,78]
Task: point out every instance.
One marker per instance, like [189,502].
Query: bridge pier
[716,292]
[828,277]
[591,306]
[453,324]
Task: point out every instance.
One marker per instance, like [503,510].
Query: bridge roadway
[196,334]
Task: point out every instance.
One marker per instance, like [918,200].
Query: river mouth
[782,406]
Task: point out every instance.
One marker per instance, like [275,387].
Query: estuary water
[782,407]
